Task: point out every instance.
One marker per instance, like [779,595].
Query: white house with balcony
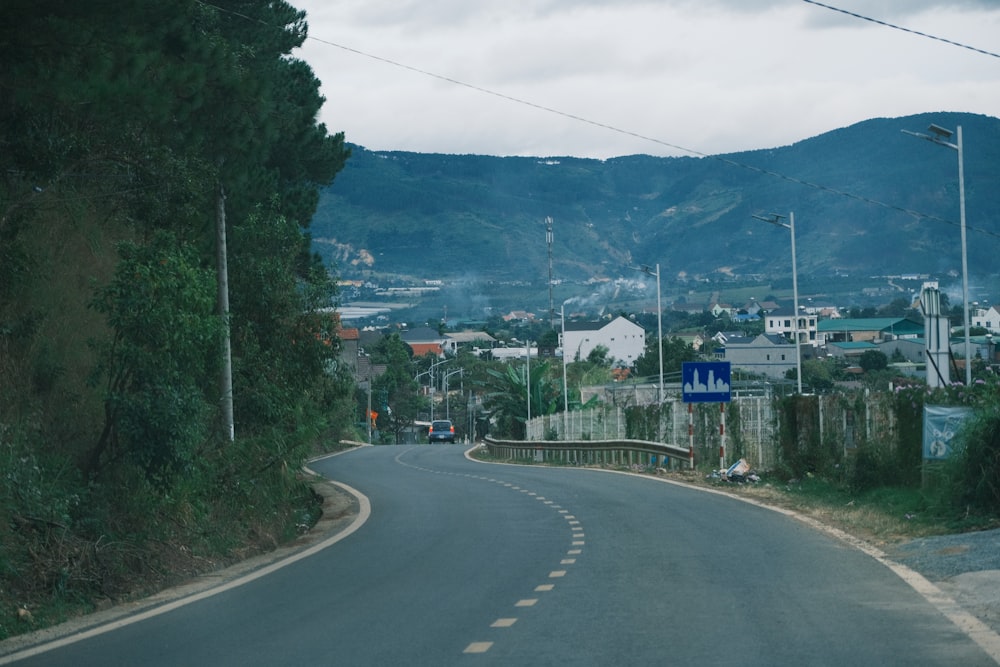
[624,339]
[781,321]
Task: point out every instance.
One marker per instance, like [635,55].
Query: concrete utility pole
[776,220]
[527,382]
[659,324]
[548,240]
[222,268]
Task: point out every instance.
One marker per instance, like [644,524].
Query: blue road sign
[705,382]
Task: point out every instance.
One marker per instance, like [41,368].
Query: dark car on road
[441,430]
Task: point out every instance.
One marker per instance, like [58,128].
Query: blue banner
[941,423]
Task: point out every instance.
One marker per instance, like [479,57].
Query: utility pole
[940,136]
[548,240]
[775,219]
[368,417]
[222,268]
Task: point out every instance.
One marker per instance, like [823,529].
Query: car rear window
[441,426]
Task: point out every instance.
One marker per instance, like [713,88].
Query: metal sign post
[706,382]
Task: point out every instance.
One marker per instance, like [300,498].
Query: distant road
[464,563]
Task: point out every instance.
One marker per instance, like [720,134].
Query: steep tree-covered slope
[121,124]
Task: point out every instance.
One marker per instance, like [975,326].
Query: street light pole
[939,135]
[562,318]
[659,326]
[527,384]
[430,371]
[775,219]
[368,417]
[447,393]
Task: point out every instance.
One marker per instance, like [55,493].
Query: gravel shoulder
[965,566]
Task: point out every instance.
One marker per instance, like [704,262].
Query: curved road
[465,563]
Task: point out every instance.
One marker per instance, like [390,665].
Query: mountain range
[867,199]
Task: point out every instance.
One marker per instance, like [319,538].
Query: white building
[987,318]
[781,322]
[624,339]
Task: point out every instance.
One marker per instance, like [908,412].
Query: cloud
[714,76]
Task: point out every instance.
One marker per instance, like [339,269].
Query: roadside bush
[66,544]
[40,554]
[972,475]
[641,421]
[873,467]
[801,449]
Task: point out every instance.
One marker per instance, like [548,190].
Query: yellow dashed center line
[478,647]
[577,541]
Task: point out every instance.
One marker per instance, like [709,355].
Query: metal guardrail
[583,452]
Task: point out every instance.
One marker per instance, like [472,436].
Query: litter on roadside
[740,472]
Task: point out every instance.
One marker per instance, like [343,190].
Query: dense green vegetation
[126,130]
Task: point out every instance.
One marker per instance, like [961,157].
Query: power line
[636,135]
[902,29]
[731,162]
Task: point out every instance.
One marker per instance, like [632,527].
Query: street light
[562,318]
[939,135]
[659,324]
[776,219]
[433,387]
[447,396]
[527,382]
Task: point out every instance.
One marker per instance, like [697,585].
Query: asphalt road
[465,563]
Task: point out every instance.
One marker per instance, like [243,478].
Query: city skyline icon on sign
[705,382]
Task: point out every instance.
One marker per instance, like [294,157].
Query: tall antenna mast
[548,240]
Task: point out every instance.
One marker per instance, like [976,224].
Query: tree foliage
[873,360]
[509,388]
[397,386]
[123,125]
[675,352]
[159,367]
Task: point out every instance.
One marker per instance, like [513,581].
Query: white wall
[625,340]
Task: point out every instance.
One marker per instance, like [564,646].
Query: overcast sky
[708,76]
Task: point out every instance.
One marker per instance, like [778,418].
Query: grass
[881,516]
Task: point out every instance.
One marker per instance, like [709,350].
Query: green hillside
[396,214]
